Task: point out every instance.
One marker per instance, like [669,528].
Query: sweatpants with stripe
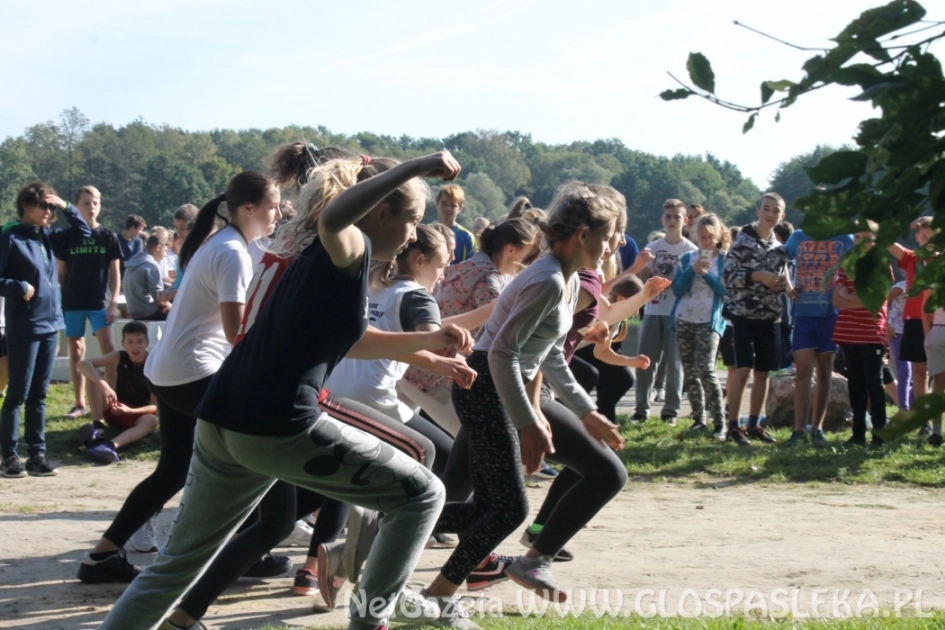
[229,474]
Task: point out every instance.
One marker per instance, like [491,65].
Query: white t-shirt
[664,265]
[194,346]
[696,306]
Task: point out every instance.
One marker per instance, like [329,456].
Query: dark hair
[518,207]
[428,240]
[32,194]
[291,163]
[247,187]
[134,328]
[515,232]
[783,231]
[626,287]
[134,220]
[187,212]
[156,238]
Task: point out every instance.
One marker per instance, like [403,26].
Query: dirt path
[746,540]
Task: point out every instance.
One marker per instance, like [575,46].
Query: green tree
[15,170]
[170,182]
[792,182]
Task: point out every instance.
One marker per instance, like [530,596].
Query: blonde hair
[655,235]
[575,207]
[325,183]
[429,239]
[87,190]
[452,192]
[618,199]
[518,207]
[712,224]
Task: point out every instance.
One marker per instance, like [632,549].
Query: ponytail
[291,164]
[515,232]
[204,225]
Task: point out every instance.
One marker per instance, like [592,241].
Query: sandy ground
[664,547]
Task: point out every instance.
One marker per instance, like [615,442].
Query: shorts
[121,421]
[757,344]
[935,350]
[814,333]
[75,322]
[912,346]
[726,349]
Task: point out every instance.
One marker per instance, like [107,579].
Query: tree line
[149,170]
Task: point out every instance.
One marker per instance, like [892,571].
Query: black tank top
[131,386]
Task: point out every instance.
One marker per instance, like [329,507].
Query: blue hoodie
[27,255]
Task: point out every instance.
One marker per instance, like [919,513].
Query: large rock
[779,407]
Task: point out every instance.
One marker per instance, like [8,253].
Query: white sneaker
[414,607]
[301,535]
[442,541]
[144,540]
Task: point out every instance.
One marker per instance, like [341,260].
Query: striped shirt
[858,326]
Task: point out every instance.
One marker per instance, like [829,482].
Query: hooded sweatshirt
[141,283]
[27,256]
[743,296]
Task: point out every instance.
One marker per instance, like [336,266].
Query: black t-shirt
[85,287]
[416,308]
[131,386]
[270,383]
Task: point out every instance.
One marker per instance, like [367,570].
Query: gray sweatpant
[658,342]
[229,474]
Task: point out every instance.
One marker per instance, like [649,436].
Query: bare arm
[897,251]
[114,286]
[377,344]
[603,352]
[619,311]
[61,271]
[473,319]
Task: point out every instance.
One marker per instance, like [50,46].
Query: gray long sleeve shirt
[526,332]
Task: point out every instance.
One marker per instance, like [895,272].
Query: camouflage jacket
[743,297]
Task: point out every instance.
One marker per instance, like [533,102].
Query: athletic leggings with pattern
[698,345]
[499,503]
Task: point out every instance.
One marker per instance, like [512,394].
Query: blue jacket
[27,255]
[682,284]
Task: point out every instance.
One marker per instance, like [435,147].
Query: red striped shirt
[858,326]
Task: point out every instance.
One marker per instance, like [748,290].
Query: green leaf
[877,90]
[871,279]
[875,23]
[779,86]
[777,117]
[928,407]
[837,167]
[750,123]
[675,95]
[766,92]
[700,72]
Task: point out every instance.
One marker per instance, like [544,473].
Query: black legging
[593,475]
[176,405]
[865,382]
[457,477]
[499,503]
[612,383]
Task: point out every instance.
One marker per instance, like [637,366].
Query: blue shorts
[814,333]
[75,322]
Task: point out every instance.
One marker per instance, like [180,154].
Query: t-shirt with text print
[85,286]
[666,259]
[816,271]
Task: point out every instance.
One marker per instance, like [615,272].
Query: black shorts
[912,346]
[757,344]
[726,349]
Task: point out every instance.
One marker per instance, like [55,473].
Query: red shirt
[910,263]
[265,276]
[858,326]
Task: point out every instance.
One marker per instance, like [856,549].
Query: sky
[559,71]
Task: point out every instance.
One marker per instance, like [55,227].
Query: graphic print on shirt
[664,266]
[816,272]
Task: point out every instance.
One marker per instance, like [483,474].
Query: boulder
[779,407]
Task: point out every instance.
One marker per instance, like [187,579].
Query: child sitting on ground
[130,407]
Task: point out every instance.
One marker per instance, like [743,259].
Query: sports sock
[752,422]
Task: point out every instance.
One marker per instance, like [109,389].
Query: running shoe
[798,438]
[442,541]
[306,582]
[301,535]
[87,434]
[738,436]
[659,396]
[12,468]
[413,607]
[166,625]
[698,425]
[637,418]
[818,438]
[76,412]
[36,466]
[856,440]
[718,432]
[935,440]
[452,613]
[492,573]
[114,568]
[528,539]
[545,472]
[269,566]
[758,433]
[669,419]
[331,571]
[102,453]
[144,539]
[535,574]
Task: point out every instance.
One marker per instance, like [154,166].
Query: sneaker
[545,472]
[166,625]
[442,541]
[269,566]
[935,440]
[331,571]
[144,540]
[659,396]
[698,425]
[718,432]
[738,436]
[797,438]
[757,433]
[76,412]
[856,440]
[103,453]
[492,573]
[36,466]
[87,434]
[926,430]
[528,538]
[452,613]
[670,420]
[362,530]
[535,574]
[414,607]
[817,438]
[12,467]
[301,535]
[637,418]
[114,568]
[306,582]
[877,442]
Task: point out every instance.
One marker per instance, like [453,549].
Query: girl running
[197,337]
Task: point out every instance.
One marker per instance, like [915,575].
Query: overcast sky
[560,71]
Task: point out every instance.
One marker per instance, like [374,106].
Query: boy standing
[129,239]
[815,318]
[449,203]
[144,286]
[657,337]
[90,275]
[754,273]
